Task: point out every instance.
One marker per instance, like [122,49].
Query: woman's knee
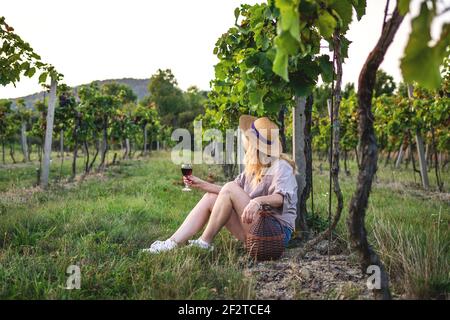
[209,199]
[229,187]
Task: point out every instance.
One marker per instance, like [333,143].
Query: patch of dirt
[19,195]
[23,195]
[18,165]
[413,191]
[97,176]
[33,163]
[313,277]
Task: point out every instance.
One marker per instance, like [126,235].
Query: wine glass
[186,170]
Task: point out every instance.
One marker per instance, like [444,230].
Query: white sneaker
[161,246]
[199,243]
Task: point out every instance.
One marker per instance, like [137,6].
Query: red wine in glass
[186,170]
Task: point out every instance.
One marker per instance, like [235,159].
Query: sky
[90,40]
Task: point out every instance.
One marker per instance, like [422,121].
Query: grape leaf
[289,17]
[344,9]
[287,43]
[237,12]
[301,85]
[360,8]
[280,65]
[220,71]
[43,77]
[345,44]
[30,72]
[290,22]
[443,43]
[403,6]
[256,98]
[326,66]
[282,4]
[327,24]
[421,62]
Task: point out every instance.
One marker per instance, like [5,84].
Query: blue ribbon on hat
[260,137]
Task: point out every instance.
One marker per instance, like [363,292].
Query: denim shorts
[287,235]
[287,232]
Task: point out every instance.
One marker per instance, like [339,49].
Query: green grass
[101,226]
[409,228]
[102,223]
[22,175]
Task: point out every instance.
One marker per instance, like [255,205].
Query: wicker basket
[265,239]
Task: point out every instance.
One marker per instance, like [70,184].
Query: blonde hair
[255,168]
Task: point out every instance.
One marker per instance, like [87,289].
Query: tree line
[98,119]
[398,120]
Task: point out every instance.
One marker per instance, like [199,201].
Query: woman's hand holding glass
[195,182]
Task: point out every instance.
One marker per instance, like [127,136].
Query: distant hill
[139,86]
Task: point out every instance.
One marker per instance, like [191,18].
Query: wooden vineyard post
[298,152]
[48,135]
[23,137]
[420,149]
[240,151]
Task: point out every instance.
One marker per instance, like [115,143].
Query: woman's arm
[274,200]
[251,210]
[200,184]
[211,187]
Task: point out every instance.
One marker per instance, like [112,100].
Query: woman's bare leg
[196,219]
[227,210]
[238,229]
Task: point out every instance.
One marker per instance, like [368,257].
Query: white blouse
[279,178]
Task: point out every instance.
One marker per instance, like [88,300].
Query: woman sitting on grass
[268,180]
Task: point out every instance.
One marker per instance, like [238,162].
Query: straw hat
[261,132]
